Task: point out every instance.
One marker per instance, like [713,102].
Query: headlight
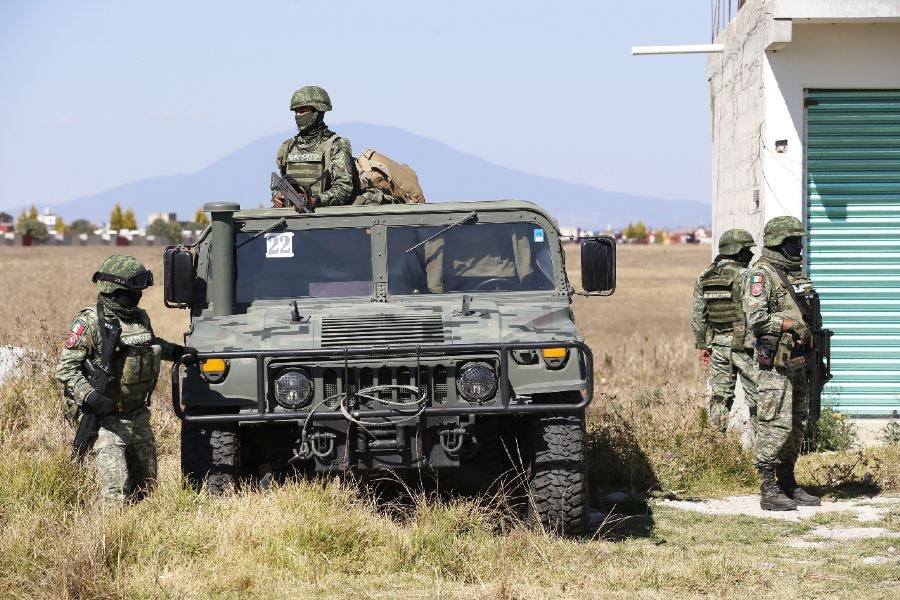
[293,389]
[477,382]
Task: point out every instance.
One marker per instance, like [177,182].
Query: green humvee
[434,337]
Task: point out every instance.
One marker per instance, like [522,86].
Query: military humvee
[436,337]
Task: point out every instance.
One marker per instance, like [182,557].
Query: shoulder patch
[76,332]
[758,278]
[757,288]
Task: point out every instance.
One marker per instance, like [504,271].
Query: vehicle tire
[557,487]
[209,455]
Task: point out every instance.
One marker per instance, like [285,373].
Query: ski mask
[792,247]
[127,298]
[306,121]
[744,256]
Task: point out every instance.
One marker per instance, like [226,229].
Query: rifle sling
[802,304]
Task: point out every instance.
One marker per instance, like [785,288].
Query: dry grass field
[332,539]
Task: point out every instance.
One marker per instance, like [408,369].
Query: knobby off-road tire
[558,483]
[209,454]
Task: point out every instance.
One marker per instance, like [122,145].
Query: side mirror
[178,277]
[598,265]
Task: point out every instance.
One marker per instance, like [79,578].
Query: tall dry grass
[335,539]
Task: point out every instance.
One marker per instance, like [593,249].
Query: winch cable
[368,393]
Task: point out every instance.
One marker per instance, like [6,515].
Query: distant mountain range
[444,172]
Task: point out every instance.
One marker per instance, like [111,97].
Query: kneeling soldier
[109,367]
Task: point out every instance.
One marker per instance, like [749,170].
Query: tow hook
[322,444]
[452,439]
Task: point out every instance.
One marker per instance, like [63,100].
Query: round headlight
[293,389]
[477,382]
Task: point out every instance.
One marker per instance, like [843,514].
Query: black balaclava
[309,123]
[792,248]
[744,256]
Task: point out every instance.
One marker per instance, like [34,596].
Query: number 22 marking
[280,245]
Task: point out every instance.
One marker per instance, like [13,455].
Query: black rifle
[284,187]
[818,357]
[100,377]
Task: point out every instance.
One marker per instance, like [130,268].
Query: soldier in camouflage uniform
[316,160]
[125,450]
[719,326]
[775,318]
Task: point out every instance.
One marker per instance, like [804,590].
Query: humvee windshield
[321,263]
[483,257]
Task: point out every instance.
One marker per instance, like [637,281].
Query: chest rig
[721,287]
[137,365]
[306,164]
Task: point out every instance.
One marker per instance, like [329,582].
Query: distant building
[48,219]
[7,223]
[167,217]
[805,101]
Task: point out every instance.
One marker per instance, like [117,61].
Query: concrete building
[805,101]
[162,216]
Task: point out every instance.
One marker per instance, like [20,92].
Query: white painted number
[280,245]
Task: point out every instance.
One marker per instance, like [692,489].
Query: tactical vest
[137,365]
[721,289]
[784,301]
[305,166]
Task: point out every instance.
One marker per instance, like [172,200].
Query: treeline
[30,224]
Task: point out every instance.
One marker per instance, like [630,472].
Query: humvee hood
[334,325]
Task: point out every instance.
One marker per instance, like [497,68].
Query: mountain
[445,174]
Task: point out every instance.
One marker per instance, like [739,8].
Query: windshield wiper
[468,217]
[264,231]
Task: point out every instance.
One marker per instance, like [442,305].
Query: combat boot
[788,484]
[770,495]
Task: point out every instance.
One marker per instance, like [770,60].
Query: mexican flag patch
[75,333]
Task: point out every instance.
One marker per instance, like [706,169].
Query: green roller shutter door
[853,214]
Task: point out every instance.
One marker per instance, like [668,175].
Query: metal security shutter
[853,214]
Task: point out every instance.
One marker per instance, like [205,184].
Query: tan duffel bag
[377,171]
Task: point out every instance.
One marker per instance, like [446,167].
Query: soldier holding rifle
[792,349]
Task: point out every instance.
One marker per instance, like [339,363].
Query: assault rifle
[101,378]
[284,187]
[818,362]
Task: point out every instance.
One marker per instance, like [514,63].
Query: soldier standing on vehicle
[720,329]
[777,304]
[124,449]
[317,162]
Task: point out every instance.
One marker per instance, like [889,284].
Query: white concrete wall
[757,88]
[831,56]
[737,105]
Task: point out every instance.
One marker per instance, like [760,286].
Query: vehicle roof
[383,209]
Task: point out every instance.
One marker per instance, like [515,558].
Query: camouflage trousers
[782,414]
[125,453]
[725,367]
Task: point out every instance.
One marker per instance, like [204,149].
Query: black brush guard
[348,352]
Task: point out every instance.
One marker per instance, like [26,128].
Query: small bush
[835,432]
[890,435]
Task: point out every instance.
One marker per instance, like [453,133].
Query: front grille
[376,330]
[331,382]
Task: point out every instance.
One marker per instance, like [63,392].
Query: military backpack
[721,287]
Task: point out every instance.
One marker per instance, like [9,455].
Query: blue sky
[98,93]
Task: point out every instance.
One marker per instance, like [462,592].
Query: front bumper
[508,403]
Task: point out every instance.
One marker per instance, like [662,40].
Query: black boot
[770,495]
[788,484]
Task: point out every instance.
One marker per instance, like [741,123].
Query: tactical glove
[801,333]
[180,351]
[97,404]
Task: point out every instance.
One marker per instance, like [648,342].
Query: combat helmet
[311,95]
[733,240]
[122,272]
[779,228]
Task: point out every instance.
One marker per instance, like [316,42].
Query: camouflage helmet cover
[311,95]
[779,228]
[120,272]
[733,240]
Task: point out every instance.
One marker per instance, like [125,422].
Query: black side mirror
[178,277]
[598,265]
